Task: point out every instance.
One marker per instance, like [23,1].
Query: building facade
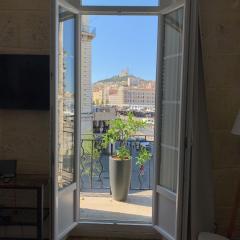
[135,93]
[133,97]
[88,35]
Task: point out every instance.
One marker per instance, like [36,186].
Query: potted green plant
[120,130]
[143,156]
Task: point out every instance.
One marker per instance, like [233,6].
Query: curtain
[200,197]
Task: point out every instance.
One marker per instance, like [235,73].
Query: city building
[97,96]
[101,117]
[124,73]
[133,81]
[101,94]
[87,36]
[133,97]
[135,93]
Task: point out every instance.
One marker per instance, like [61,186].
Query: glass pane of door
[171,99]
[66,99]
[170,112]
[120,2]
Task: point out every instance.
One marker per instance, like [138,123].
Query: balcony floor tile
[99,206]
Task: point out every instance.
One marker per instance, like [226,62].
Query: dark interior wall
[220,30]
[24,135]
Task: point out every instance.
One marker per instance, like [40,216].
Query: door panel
[171,100]
[66,99]
[66,215]
[167,208]
[64,112]
[66,120]
[169,130]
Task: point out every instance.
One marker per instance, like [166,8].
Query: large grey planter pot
[120,176]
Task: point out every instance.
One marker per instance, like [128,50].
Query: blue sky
[124,42]
[121,42]
[121,2]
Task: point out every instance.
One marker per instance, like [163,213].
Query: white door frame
[75,6]
[54,233]
[182,182]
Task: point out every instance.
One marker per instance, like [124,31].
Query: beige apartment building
[101,95]
[136,93]
[133,97]
[97,96]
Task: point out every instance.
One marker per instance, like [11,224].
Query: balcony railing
[94,164]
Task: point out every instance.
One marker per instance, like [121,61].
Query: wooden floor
[91,231]
[108,238]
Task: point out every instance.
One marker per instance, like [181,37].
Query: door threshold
[115,230]
[114,222]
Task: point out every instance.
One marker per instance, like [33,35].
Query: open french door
[170,113]
[65,118]
[170,121]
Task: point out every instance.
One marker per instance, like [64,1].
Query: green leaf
[143,156]
[121,130]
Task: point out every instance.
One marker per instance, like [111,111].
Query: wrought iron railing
[94,163]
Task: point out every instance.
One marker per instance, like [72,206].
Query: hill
[117,80]
[114,79]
